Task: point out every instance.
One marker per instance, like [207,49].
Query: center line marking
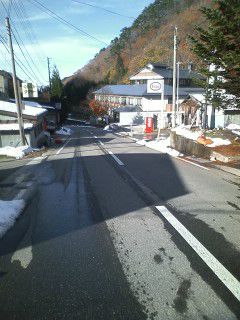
[116,158]
[60,150]
[220,271]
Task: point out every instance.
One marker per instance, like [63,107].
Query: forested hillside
[150,38]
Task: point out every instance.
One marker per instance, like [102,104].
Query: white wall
[154,104]
[128,118]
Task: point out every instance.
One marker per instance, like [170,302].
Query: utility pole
[15,85]
[178,76]
[174,79]
[49,76]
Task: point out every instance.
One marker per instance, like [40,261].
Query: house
[52,115]
[193,108]
[34,125]
[4,85]
[148,95]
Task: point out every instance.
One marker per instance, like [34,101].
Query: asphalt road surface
[119,231]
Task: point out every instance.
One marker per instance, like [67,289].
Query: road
[120,231]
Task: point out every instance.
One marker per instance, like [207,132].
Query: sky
[41,36]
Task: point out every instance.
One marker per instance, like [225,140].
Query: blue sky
[70,50]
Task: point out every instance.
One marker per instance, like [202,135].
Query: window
[139,101]
[123,100]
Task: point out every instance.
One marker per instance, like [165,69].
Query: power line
[54,15]
[24,56]
[27,52]
[28,30]
[18,61]
[101,8]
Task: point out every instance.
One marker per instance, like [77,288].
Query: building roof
[167,72]
[135,90]
[14,126]
[28,110]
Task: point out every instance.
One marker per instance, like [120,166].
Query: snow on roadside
[64,131]
[161,145]
[185,132]
[107,128]
[194,135]
[236,132]
[9,211]
[218,142]
[15,152]
[233,126]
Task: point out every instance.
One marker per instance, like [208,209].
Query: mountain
[149,39]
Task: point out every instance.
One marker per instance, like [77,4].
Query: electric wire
[25,58]
[64,21]
[32,74]
[28,54]
[104,9]
[17,60]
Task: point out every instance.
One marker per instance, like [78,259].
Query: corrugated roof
[135,90]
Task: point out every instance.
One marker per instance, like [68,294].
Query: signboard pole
[174,79]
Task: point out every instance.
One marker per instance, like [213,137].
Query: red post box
[149,125]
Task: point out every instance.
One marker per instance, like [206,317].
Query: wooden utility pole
[15,85]
[174,79]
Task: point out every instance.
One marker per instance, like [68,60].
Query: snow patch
[9,211]
[18,152]
[233,126]
[218,142]
[64,131]
[107,128]
[161,145]
[185,132]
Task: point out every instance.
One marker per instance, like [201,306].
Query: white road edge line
[116,158]
[101,143]
[193,163]
[220,271]
[60,150]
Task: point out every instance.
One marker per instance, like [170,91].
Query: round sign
[155,86]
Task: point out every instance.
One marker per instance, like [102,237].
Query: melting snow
[9,211]
[18,152]
[162,146]
[64,131]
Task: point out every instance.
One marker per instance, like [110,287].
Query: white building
[148,95]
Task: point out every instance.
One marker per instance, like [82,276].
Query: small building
[52,115]
[193,108]
[34,125]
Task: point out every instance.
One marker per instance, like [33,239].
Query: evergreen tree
[218,46]
[57,86]
[120,70]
